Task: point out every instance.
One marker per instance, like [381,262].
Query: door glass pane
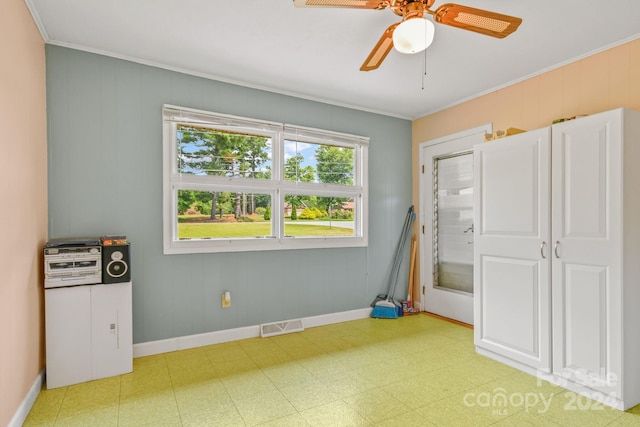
[453,222]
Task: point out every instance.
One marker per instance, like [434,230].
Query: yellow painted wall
[23,204]
[600,82]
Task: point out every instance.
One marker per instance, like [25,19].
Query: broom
[411,309]
[388,308]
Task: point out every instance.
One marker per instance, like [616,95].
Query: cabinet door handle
[542,245]
[555,248]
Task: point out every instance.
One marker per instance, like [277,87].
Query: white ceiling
[316,53]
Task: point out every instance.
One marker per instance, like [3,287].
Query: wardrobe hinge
[422,168]
[423,290]
[423,229]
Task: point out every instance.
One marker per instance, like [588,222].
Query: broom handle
[412,267]
[403,242]
[397,260]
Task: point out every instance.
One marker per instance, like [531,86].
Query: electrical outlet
[226,299]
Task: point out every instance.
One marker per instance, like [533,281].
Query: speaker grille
[116,264]
[117,268]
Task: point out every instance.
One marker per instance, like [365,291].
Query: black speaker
[116,267]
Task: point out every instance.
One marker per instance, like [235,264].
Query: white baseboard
[328,319]
[23,410]
[217,337]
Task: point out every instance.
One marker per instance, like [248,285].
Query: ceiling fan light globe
[413,35]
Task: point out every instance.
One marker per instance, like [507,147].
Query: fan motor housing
[411,8]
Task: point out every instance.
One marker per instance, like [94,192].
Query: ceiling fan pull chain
[424,67]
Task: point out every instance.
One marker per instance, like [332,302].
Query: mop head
[385,310]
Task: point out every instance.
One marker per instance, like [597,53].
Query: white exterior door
[587,164]
[446,207]
[512,249]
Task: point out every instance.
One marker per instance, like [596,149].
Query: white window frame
[277,187]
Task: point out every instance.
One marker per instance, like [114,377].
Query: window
[236,184]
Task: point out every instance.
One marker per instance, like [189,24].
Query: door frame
[424,217]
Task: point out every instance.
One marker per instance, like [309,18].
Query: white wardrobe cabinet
[557,255]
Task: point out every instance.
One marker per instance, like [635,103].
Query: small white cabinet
[557,259]
[88,333]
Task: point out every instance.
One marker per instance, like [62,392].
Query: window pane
[223,215]
[308,162]
[318,216]
[205,151]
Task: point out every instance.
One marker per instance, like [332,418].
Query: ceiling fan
[414,33]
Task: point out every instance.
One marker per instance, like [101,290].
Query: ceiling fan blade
[354,4]
[478,20]
[380,50]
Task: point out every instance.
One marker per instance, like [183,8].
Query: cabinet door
[111,329]
[586,290]
[68,330]
[512,251]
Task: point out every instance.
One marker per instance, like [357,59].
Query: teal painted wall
[105,177]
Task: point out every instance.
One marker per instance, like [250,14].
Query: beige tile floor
[413,371]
